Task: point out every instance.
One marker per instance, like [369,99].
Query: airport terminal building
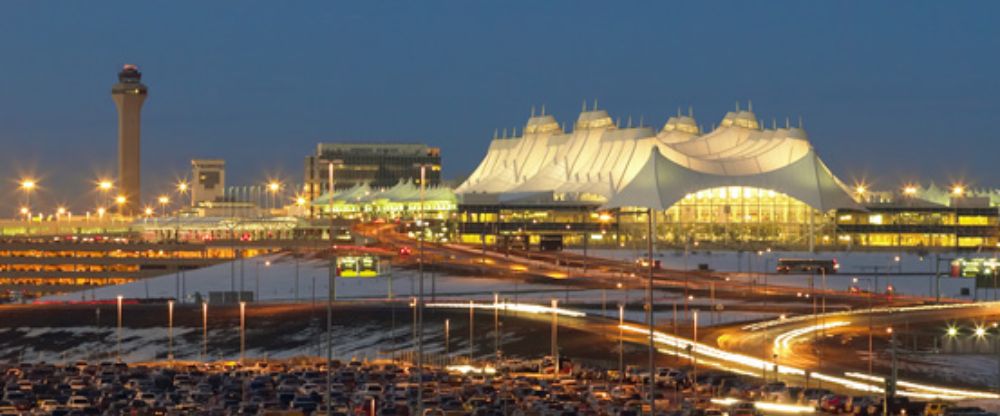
[736,185]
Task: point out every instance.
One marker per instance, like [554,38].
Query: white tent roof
[600,158]
[661,183]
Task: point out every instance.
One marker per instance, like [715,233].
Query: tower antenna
[595,104]
[737,106]
[750,105]
[543,109]
[691,111]
[532,111]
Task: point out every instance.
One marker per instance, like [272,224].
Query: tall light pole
[104,186]
[182,189]
[472,338]
[621,342]
[496,325]
[273,187]
[204,330]
[555,337]
[170,331]
[118,342]
[957,191]
[163,200]
[447,338]
[243,331]
[27,186]
[420,298]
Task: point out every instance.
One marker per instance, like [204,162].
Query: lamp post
[118,337]
[447,337]
[182,189]
[957,191]
[273,187]
[104,186]
[472,338]
[871,289]
[204,330]
[170,331]
[163,200]
[621,343]
[243,330]
[27,186]
[555,337]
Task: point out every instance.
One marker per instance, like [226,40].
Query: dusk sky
[888,91]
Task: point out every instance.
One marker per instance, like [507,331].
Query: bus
[828,266]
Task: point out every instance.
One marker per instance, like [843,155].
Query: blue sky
[889,91]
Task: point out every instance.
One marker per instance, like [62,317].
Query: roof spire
[618,122]
[691,111]
[800,122]
[495,131]
[584,108]
[737,106]
[595,104]
[641,116]
[678,111]
[505,132]
[788,123]
[629,125]
[543,109]
[774,123]
[750,105]
[532,111]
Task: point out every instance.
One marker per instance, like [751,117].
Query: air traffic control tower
[129,94]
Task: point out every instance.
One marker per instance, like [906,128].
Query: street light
[28,185]
[243,330]
[170,330]
[118,341]
[163,200]
[204,330]
[104,186]
[273,187]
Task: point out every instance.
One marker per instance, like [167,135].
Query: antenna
[800,122]
[691,111]
[629,121]
[737,106]
[595,104]
[584,109]
[750,105]
[640,119]
[532,111]
[543,109]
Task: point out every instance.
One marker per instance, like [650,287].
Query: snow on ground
[278,282]
[909,276]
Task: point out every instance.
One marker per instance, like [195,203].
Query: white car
[77,402]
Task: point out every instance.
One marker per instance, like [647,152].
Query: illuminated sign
[358,266]
[974,267]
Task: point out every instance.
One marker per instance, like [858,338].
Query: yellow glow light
[148,211]
[860,189]
[28,184]
[104,185]
[163,199]
[182,187]
[273,186]
[910,190]
[120,199]
[957,190]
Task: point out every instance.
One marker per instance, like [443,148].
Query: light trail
[784,340]
[928,388]
[731,359]
[516,307]
[802,318]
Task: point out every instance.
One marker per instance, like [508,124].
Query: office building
[209,180]
[378,165]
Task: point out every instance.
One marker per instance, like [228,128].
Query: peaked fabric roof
[661,183]
[600,159]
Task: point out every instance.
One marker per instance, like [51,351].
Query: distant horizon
[261,84]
